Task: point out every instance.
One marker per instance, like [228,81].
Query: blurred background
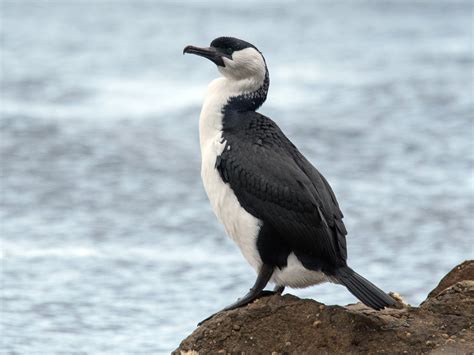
[108,242]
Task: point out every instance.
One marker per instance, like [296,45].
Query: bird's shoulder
[259,159]
[253,128]
[254,144]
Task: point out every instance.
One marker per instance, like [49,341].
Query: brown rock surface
[461,272]
[443,324]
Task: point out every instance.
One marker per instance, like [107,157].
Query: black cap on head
[228,45]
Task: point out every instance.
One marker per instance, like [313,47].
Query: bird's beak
[208,52]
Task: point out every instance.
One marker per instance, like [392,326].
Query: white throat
[217,96]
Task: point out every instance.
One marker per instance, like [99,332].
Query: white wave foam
[17,251]
[115,98]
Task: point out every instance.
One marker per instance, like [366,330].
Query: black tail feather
[364,290]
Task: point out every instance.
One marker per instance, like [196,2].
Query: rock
[286,324]
[457,299]
[464,271]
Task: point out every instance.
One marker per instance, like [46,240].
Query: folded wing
[274,182]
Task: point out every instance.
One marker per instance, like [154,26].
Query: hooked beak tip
[207,52]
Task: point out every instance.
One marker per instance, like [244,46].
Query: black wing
[274,182]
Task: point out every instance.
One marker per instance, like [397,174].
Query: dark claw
[211,316]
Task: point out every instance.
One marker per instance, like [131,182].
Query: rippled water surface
[108,241]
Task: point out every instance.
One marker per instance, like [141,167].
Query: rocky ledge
[442,324]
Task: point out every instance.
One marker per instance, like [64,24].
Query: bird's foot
[240,302]
[255,292]
[278,290]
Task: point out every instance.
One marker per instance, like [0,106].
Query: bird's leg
[263,277]
[279,289]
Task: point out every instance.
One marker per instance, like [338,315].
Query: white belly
[240,226]
[296,275]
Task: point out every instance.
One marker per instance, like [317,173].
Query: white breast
[240,226]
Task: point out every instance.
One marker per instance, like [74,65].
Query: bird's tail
[364,290]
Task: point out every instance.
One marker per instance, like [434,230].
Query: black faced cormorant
[272,201]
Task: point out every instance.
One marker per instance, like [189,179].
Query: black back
[275,183]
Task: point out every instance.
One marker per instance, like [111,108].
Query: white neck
[218,94]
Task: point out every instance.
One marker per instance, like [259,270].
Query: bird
[273,203]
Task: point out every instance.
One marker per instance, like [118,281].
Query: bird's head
[235,58]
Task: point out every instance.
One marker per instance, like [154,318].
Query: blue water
[108,243]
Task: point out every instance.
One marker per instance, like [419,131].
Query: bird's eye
[228,51]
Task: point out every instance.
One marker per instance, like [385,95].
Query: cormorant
[272,201]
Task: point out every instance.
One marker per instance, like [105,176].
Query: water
[108,241]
